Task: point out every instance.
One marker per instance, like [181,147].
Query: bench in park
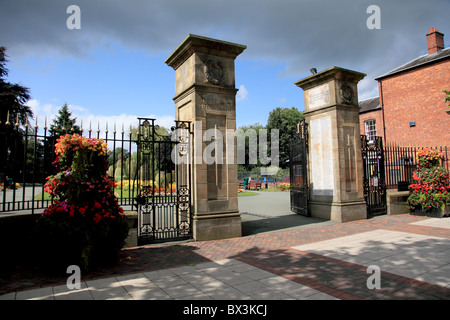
[255,184]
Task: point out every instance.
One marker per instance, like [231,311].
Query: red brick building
[411,108]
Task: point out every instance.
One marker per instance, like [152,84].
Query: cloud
[77,109]
[242,93]
[301,34]
[42,112]
[45,113]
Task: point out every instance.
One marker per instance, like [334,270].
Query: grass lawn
[247,193]
[126,194]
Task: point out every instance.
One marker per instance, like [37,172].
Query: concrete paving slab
[110,282]
[158,274]
[150,294]
[168,282]
[183,290]
[112,293]
[225,280]
[36,294]
[435,223]
[8,296]
[82,294]
[414,255]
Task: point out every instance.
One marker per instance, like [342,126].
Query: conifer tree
[64,123]
[13,109]
[13,97]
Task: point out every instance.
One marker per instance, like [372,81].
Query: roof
[368,105]
[420,61]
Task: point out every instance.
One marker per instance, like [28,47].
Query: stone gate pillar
[335,168]
[205,94]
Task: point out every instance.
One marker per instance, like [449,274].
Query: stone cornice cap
[335,73]
[194,43]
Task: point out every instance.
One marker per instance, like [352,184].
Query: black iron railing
[401,162]
[26,157]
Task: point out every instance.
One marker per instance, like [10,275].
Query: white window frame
[370,129]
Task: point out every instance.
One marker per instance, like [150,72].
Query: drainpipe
[382,110]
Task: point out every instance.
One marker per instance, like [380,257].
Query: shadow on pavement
[270,211]
[252,224]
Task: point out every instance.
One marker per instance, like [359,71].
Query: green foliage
[431,187]
[286,121]
[250,135]
[123,164]
[13,97]
[447,98]
[13,110]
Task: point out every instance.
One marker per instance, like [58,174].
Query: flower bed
[85,225]
[284,186]
[430,191]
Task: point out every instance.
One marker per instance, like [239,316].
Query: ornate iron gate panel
[298,158]
[163,182]
[374,182]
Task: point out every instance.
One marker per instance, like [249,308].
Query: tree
[250,135]
[118,154]
[118,163]
[123,164]
[286,121]
[64,123]
[12,96]
[13,109]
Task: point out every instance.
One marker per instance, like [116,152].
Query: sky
[112,70]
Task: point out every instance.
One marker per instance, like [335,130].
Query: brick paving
[273,252]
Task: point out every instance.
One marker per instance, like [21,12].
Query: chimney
[435,41]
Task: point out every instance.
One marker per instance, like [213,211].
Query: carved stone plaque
[217,103]
[322,178]
[214,72]
[319,96]
[346,93]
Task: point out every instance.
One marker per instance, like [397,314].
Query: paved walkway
[270,211]
[319,262]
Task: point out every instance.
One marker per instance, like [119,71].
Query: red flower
[82,210]
[97,218]
[97,205]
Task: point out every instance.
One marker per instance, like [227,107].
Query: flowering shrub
[85,225]
[284,186]
[431,187]
[67,147]
[429,158]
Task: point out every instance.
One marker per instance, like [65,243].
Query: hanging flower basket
[85,225]
[429,195]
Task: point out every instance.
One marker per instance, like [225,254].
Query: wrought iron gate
[374,182]
[298,158]
[163,178]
